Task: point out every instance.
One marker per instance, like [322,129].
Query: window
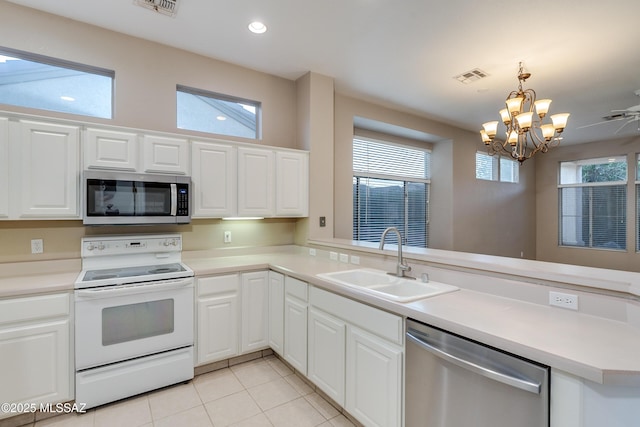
[215,113]
[390,189]
[36,81]
[593,203]
[496,168]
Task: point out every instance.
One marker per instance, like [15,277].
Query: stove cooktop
[138,271]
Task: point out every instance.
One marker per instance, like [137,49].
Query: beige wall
[547,206]
[147,73]
[466,214]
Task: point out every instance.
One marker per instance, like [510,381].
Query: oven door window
[132,322]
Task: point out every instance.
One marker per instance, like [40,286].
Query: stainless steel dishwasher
[454,382]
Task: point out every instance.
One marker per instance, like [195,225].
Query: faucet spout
[402,267]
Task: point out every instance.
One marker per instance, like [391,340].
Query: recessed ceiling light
[257,27]
[67,98]
[221,118]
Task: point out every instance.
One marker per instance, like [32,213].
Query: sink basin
[378,282]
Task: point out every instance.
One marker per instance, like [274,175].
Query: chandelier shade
[525,133]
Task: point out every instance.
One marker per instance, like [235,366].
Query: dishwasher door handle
[522,384]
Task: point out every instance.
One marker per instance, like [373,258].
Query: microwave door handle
[174,199]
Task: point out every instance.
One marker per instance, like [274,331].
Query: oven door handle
[114,291]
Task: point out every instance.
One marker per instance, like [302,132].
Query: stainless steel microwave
[118,198]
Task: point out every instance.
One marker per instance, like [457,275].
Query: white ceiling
[583,54]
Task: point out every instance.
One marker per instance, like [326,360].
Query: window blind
[390,189]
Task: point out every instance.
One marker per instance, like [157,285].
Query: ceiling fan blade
[600,123]
[626,123]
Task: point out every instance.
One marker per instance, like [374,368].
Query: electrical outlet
[227,237]
[333,256]
[344,258]
[312,251]
[37,246]
[560,299]
[355,259]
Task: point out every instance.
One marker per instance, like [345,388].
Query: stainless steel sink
[378,282]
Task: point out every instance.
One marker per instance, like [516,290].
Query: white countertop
[595,348]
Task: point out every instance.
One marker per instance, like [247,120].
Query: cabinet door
[276,312]
[292,184]
[35,363]
[110,149]
[165,155]
[255,182]
[295,333]
[218,318]
[327,354]
[374,379]
[214,176]
[48,175]
[255,311]
[4,167]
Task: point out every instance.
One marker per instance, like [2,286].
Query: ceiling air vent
[471,76]
[166,7]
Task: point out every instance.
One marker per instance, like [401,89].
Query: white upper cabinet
[292,183]
[4,167]
[256,182]
[129,151]
[110,149]
[165,155]
[214,176]
[46,181]
[273,182]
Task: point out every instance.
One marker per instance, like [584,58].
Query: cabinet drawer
[218,284]
[378,322]
[33,308]
[296,288]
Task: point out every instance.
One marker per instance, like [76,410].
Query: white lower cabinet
[232,315]
[326,353]
[577,402]
[276,312]
[374,379]
[356,357]
[218,318]
[35,358]
[255,311]
[295,323]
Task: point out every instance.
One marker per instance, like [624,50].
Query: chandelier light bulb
[560,121]
[524,120]
[491,128]
[513,105]
[542,107]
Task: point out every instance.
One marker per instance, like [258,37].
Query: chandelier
[526,135]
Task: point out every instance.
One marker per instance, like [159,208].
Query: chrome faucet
[402,267]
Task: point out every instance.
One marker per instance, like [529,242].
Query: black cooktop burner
[138,271]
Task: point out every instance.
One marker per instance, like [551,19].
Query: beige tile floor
[263,392]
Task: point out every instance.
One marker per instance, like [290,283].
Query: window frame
[224,98]
[496,169]
[620,184]
[70,65]
[358,175]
